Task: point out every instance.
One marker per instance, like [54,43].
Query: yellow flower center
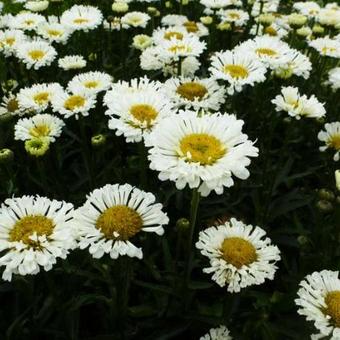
[180,49]
[80,21]
[91,84]
[12,105]
[9,41]
[234,15]
[266,51]
[74,102]
[191,26]
[332,301]
[270,31]
[192,90]
[169,35]
[120,219]
[29,22]
[41,98]
[201,148]
[236,71]
[54,33]
[328,49]
[42,130]
[238,252]
[334,142]
[143,113]
[27,226]
[36,54]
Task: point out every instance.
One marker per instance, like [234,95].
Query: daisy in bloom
[135,19]
[168,33]
[334,78]
[189,66]
[235,16]
[26,21]
[9,39]
[73,104]
[83,18]
[309,8]
[195,93]
[240,255]
[174,20]
[213,5]
[219,333]
[238,68]
[134,115]
[201,151]
[329,17]
[34,232]
[54,32]
[298,106]
[90,82]
[173,49]
[269,50]
[39,126]
[10,105]
[72,62]
[319,302]
[36,6]
[326,46]
[295,63]
[141,41]
[331,137]
[113,216]
[36,54]
[196,28]
[37,97]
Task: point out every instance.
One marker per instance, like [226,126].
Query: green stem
[195,200]
[142,165]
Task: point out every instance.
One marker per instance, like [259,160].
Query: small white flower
[326,46]
[135,19]
[113,216]
[219,333]
[72,62]
[331,137]
[240,255]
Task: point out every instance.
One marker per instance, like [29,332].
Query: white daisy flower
[34,232]
[331,137]
[113,216]
[36,54]
[10,105]
[190,65]
[9,40]
[37,97]
[319,302]
[219,333]
[308,8]
[235,16]
[270,50]
[80,17]
[135,19]
[326,46]
[73,104]
[54,32]
[196,28]
[298,106]
[195,93]
[72,62]
[218,4]
[173,49]
[141,85]
[36,5]
[168,33]
[329,17]
[26,21]
[174,20]
[240,255]
[134,115]
[201,151]
[334,78]
[112,25]
[44,126]
[90,82]
[238,68]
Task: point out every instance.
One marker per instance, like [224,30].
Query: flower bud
[318,30]
[182,224]
[153,11]
[6,156]
[324,206]
[120,7]
[36,6]
[326,195]
[296,20]
[208,20]
[224,26]
[304,31]
[266,18]
[141,41]
[37,146]
[302,240]
[98,140]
